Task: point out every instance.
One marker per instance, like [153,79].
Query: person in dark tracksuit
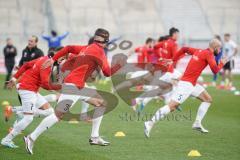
[31,52]
[10,53]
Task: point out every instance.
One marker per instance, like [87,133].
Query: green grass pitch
[170,139]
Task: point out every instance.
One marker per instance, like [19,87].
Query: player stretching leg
[89,59]
[165,49]
[187,86]
[31,80]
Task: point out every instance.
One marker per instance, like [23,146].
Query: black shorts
[229,65]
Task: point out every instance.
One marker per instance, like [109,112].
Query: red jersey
[141,54]
[32,76]
[144,54]
[88,59]
[200,59]
[166,49]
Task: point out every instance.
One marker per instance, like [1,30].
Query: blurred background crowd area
[135,20]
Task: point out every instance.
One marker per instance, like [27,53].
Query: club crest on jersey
[164,51]
[165,44]
[195,57]
[82,54]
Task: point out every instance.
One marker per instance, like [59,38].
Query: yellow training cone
[194,153]
[5,103]
[73,121]
[119,134]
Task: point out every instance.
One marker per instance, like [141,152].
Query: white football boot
[198,126]
[98,141]
[9,144]
[147,128]
[29,144]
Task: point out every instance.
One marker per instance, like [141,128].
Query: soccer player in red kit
[166,49]
[143,52]
[31,77]
[89,58]
[187,85]
[144,56]
[169,47]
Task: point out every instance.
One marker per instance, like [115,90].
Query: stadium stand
[186,15]
[133,19]
[223,16]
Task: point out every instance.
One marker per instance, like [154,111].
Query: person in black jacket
[10,53]
[31,52]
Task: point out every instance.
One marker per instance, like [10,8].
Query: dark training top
[30,54]
[10,53]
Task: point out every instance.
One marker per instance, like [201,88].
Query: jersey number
[180,97]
